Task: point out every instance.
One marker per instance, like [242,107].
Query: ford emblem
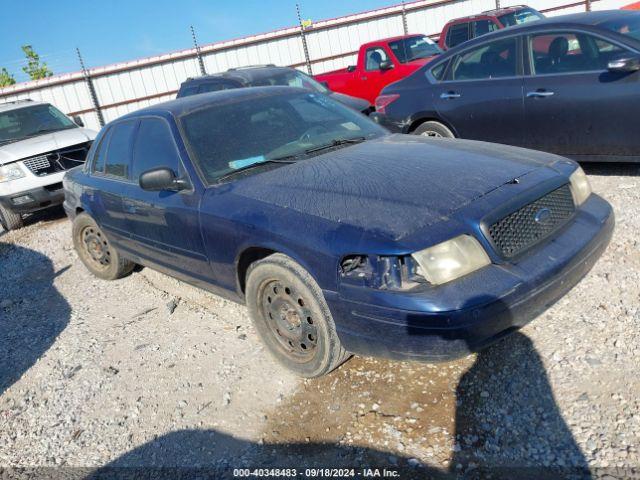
[542,216]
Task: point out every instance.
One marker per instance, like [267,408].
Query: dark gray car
[266,76]
[568,85]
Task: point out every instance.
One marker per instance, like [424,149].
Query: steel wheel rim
[289,320]
[432,134]
[96,248]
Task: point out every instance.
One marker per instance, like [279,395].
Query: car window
[118,155]
[187,91]
[374,57]
[412,48]
[438,71]
[519,17]
[570,52]
[154,147]
[279,126]
[457,34]
[214,87]
[99,155]
[492,60]
[628,25]
[482,27]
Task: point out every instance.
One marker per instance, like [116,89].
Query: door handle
[539,94]
[449,95]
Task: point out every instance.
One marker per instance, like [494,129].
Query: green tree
[6,78]
[35,68]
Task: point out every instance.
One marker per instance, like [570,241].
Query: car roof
[242,75]
[584,19]
[392,39]
[489,13]
[6,106]
[184,105]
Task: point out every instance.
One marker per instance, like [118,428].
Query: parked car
[38,144]
[464,29]
[573,92]
[380,63]
[266,76]
[340,237]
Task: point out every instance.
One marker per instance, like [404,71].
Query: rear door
[164,225]
[109,180]
[481,96]
[573,105]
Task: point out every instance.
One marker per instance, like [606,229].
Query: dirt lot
[147,371]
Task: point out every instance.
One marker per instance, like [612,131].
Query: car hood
[32,146]
[393,185]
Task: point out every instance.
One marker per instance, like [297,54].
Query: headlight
[451,259]
[10,172]
[580,186]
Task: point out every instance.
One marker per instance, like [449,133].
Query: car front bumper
[455,319]
[34,199]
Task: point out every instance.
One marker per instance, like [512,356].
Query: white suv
[38,144]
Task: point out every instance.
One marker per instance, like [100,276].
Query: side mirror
[351,68]
[161,179]
[78,120]
[386,65]
[624,64]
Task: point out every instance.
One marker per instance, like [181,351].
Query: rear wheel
[291,315]
[433,129]
[10,220]
[95,251]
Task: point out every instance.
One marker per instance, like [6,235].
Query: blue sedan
[340,237]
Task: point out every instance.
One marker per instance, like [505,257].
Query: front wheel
[10,220]
[95,251]
[291,316]
[433,129]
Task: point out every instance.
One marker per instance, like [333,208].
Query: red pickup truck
[380,63]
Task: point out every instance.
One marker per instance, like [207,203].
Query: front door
[481,97]
[573,105]
[165,226]
[379,71]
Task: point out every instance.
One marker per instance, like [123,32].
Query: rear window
[520,16]
[409,49]
[457,34]
[118,155]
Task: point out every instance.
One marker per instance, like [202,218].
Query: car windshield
[629,25]
[290,78]
[412,48]
[22,123]
[229,137]
[519,17]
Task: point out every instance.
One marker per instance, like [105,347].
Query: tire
[10,220]
[289,311]
[96,252]
[433,129]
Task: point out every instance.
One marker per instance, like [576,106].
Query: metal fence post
[198,53]
[92,90]
[303,37]
[404,20]
[497,4]
[587,5]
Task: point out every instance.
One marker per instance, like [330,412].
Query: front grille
[532,223]
[57,160]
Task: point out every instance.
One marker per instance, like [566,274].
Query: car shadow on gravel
[32,311]
[209,454]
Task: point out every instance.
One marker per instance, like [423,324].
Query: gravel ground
[149,372]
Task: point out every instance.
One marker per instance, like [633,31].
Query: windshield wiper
[336,143]
[254,165]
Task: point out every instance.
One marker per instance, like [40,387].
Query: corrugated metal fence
[332,44]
